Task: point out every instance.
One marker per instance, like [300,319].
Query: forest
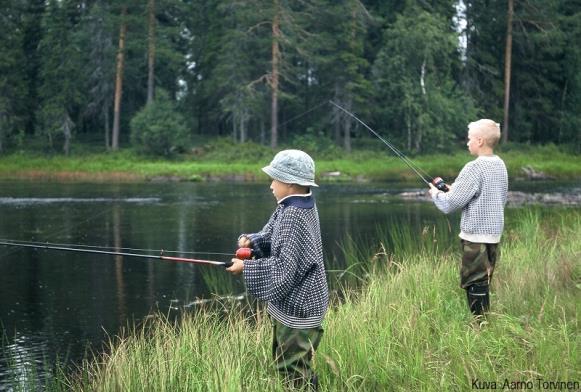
[162,75]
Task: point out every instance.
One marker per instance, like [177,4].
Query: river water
[57,304]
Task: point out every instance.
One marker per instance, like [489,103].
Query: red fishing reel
[439,183]
[244,253]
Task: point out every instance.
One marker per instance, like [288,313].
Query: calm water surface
[59,303]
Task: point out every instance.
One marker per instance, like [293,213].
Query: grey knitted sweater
[291,275]
[480,190]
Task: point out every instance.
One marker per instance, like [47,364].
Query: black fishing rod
[118,249]
[241,253]
[438,182]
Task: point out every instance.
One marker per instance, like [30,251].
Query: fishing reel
[244,253]
[241,254]
[439,183]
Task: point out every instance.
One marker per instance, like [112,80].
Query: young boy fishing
[480,190]
[288,271]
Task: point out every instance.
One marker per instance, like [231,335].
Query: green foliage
[158,128]
[545,62]
[60,89]
[413,76]
[12,76]
[57,69]
[227,150]
[316,144]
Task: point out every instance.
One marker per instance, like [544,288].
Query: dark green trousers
[478,262]
[292,350]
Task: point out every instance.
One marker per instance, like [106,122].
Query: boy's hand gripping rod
[241,253]
[438,182]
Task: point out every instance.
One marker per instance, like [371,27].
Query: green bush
[158,128]
[316,144]
[224,149]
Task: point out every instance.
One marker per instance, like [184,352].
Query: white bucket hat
[292,167]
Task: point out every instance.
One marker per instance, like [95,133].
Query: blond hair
[487,129]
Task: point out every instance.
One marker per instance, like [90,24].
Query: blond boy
[480,190]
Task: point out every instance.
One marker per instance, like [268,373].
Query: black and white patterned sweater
[290,276]
[480,190]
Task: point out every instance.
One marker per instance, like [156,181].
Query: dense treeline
[161,73]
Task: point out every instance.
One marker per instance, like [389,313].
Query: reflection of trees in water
[119,281]
[22,363]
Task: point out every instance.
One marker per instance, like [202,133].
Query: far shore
[540,163]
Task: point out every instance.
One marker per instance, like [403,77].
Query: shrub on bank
[158,128]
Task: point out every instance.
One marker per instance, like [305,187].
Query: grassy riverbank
[407,328]
[243,162]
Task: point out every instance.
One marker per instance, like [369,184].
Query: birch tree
[413,78]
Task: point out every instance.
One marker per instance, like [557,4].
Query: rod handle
[228,264]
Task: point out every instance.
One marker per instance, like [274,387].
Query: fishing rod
[241,253]
[133,250]
[438,182]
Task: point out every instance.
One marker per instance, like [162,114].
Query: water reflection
[120,285]
[23,360]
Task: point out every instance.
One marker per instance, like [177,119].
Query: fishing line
[81,246]
[59,232]
[397,152]
[241,253]
[304,113]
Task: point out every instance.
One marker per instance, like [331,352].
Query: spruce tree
[12,75]
[61,74]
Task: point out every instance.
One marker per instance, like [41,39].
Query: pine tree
[97,38]
[539,72]
[32,31]
[119,74]
[346,29]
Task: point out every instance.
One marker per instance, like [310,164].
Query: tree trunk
[107,130]
[119,81]
[262,132]
[67,133]
[243,127]
[151,52]
[3,123]
[347,128]
[507,69]
[274,77]
[409,130]
[234,129]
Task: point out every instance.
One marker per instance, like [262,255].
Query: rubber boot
[478,299]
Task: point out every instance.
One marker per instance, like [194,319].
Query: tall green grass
[407,328]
